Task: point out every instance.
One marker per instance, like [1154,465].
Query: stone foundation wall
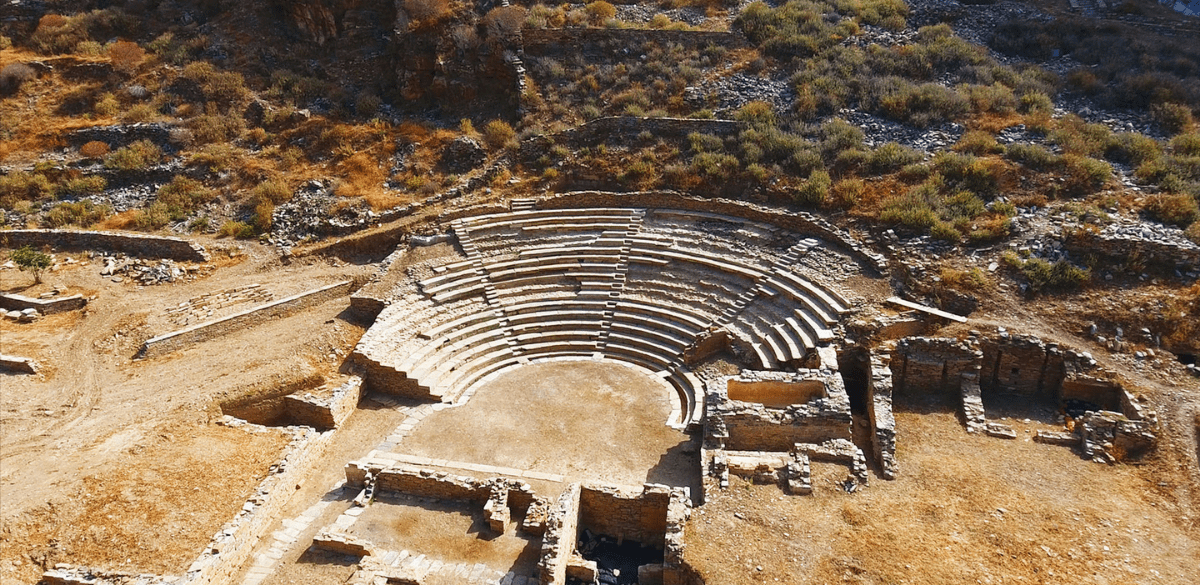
[883,440]
[324,413]
[927,365]
[139,245]
[169,342]
[1022,366]
[641,517]
[562,532]
[15,302]
[430,484]
[748,426]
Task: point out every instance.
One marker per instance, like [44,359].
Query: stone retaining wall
[139,245]
[623,129]
[1117,249]
[594,43]
[204,331]
[15,302]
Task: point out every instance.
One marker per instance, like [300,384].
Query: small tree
[30,260]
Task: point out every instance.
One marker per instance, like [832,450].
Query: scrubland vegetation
[244,138]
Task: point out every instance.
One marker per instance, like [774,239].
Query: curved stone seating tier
[631,285]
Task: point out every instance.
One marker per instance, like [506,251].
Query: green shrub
[1180,210]
[1083,175]
[996,97]
[912,209]
[107,105]
[1061,275]
[367,105]
[915,173]
[1173,117]
[891,157]
[814,190]
[846,193]
[5,42]
[76,187]
[153,217]
[838,135]
[1078,137]
[30,260]
[1035,102]
[705,142]
[945,232]
[804,162]
[968,172]
[923,105]
[978,143]
[23,186]
[1131,148]
[498,134]
[215,157]
[757,114]
[1186,144]
[216,128]
[224,88]
[713,165]
[274,190]
[237,229]
[136,157]
[1034,156]
[1193,232]
[80,213]
[849,161]
[182,196]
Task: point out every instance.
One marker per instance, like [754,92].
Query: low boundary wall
[139,245]
[11,302]
[204,331]
[17,365]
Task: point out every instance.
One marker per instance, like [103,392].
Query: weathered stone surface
[463,154]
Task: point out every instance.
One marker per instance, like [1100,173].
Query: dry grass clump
[136,157]
[80,214]
[126,56]
[362,177]
[94,149]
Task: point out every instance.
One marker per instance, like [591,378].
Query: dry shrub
[107,105]
[94,149]
[1177,209]
[126,56]
[427,11]
[600,11]
[504,22]
[497,134]
[13,76]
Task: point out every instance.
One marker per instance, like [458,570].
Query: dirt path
[95,412]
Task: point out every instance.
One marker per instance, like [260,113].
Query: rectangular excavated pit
[775,393]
